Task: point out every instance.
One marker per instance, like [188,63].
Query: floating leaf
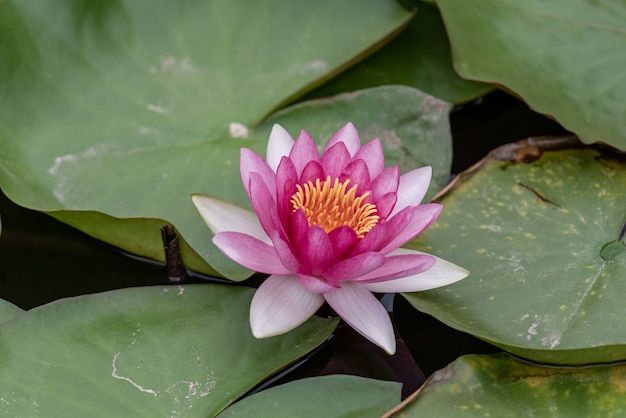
[8,310]
[533,235]
[565,58]
[419,57]
[325,396]
[500,386]
[142,352]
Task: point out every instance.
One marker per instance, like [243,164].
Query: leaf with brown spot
[542,243]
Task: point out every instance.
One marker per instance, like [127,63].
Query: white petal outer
[441,274]
[278,146]
[221,216]
[412,188]
[363,312]
[281,304]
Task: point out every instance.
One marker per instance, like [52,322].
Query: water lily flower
[328,227]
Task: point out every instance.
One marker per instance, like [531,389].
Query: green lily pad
[565,58]
[500,386]
[419,57]
[324,396]
[8,310]
[142,352]
[534,237]
[112,114]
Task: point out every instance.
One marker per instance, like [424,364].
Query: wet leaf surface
[419,57]
[325,396]
[144,352]
[533,236]
[564,58]
[501,386]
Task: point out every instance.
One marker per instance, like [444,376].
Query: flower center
[331,205]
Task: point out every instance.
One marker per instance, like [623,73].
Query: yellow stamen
[332,206]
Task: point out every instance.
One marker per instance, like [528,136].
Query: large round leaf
[419,57]
[500,386]
[142,352]
[8,310]
[325,396]
[123,109]
[565,58]
[544,244]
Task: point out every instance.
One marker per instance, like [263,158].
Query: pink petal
[412,188]
[399,265]
[221,216]
[281,304]
[372,240]
[442,273]
[286,179]
[285,254]
[278,146]
[343,240]
[385,204]
[315,284]
[263,204]
[372,154]
[358,174]
[349,136]
[386,182]
[352,268]
[251,162]
[250,252]
[409,223]
[303,152]
[315,252]
[335,159]
[298,226]
[363,312]
[311,172]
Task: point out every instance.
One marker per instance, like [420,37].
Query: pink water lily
[328,228]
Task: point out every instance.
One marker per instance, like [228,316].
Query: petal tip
[261,332]
[389,348]
[278,145]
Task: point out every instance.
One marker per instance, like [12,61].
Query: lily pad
[419,57]
[324,396]
[565,58]
[142,352]
[500,386]
[112,114]
[534,237]
[8,310]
